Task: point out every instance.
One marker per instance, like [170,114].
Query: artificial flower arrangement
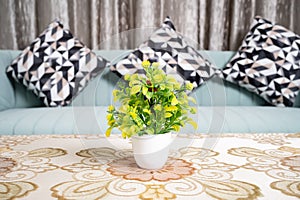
[152,104]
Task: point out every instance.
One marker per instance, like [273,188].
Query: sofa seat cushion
[92,120]
[45,120]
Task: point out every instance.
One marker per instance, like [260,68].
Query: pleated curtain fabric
[123,24]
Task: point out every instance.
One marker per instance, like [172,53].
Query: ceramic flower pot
[151,151]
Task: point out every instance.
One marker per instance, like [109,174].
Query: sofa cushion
[267,63]
[56,66]
[173,53]
[92,120]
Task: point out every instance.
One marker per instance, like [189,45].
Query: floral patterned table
[227,166]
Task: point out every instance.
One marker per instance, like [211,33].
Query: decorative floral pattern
[294,135]
[156,192]
[10,141]
[16,189]
[280,164]
[293,162]
[174,169]
[270,138]
[16,167]
[287,187]
[6,165]
[196,166]
[96,167]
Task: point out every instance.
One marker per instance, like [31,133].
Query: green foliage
[155,104]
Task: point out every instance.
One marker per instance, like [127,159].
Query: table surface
[214,166]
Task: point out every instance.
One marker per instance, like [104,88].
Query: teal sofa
[223,107]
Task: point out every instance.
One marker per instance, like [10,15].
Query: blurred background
[211,24]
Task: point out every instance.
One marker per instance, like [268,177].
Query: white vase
[151,151]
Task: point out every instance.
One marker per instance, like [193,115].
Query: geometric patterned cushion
[56,66]
[267,63]
[172,52]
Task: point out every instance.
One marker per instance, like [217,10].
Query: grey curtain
[122,24]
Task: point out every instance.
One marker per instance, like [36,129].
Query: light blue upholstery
[223,107]
[91,120]
[12,94]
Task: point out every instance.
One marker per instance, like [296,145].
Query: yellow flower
[171,108]
[176,127]
[111,122]
[109,116]
[108,131]
[111,108]
[147,111]
[133,115]
[189,86]
[124,135]
[115,94]
[127,77]
[168,115]
[146,63]
[174,101]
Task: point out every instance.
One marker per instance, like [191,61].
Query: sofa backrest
[214,92]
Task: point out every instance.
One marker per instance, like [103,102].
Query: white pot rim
[147,136]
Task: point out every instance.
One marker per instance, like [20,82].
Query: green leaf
[144,90]
[193,123]
[134,77]
[149,131]
[192,100]
[158,78]
[134,82]
[149,95]
[169,87]
[193,110]
[157,107]
[127,77]
[135,89]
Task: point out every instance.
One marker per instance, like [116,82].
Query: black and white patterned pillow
[267,63]
[172,52]
[56,66]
